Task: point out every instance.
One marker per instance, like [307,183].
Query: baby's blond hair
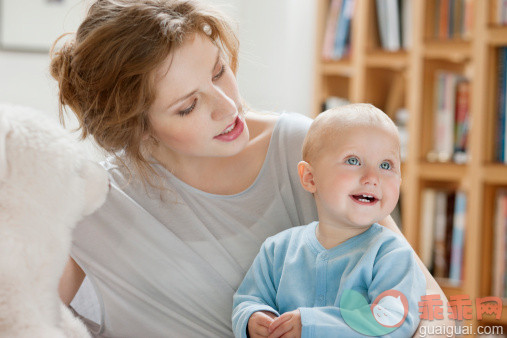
[334,121]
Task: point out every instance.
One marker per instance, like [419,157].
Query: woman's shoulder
[283,124]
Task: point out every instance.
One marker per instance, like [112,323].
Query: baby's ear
[306,176]
[4,132]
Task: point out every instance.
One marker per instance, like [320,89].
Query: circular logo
[390,308]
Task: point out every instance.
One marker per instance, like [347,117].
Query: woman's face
[196,111]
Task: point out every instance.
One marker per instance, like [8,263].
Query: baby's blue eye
[353,161]
[385,165]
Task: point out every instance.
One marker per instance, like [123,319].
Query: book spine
[500,137]
[440,263]
[329,35]
[458,239]
[504,108]
[462,119]
[343,30]
[499,246]
[428,227]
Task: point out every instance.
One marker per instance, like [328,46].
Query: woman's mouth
[232,131]
[366,199]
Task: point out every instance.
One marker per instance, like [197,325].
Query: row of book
[499,284]
[337,32]
[453,19]
[501,142]
[451,118]
[501,12]
[394,19]
[442,233]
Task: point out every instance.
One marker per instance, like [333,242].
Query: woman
[197,183]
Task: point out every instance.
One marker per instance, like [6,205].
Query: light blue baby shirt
[294,271]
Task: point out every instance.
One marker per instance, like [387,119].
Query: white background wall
[276,58]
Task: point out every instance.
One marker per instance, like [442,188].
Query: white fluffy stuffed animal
[46,186]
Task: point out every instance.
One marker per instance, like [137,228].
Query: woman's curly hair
[106,71]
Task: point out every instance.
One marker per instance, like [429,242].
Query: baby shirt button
[323,256]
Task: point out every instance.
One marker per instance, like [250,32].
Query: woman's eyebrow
[183,98]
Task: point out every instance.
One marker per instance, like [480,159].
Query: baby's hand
[259,322]
[287,325]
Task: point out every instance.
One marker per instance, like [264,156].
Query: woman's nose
[222,105]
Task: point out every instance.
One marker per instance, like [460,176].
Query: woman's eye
[353,161]
[385,165]
[189,109]
[219,74]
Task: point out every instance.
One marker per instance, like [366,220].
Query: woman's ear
[306,176]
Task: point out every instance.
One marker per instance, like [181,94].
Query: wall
[277,54]
[276,59]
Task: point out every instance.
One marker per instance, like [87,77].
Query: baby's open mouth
[365,198]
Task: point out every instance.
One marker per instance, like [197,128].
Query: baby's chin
[367,221]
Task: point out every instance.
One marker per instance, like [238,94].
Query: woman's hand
[259,323]
[287,325]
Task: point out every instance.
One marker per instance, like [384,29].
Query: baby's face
[357,177]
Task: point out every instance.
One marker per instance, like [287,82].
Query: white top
[169,266]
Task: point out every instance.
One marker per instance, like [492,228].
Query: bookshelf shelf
[450,289]
[497,35]
[390,60]
[443,171]
[495,174]
[454,51]
[408,79]
[339,68]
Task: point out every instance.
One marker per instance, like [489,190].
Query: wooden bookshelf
[368,75]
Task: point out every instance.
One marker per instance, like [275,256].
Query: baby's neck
[331,235]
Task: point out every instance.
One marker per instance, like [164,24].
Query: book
[468,19]
[343,29]
[453,19]
[407,21]
[503,110]
[458,19]
[462,119]
[329,34]
[427,228]
[393,25]
[382,22]
[501,12]
[444,115]
[444,19]
[499,244]
[458,239]
[449,229]
[501,120]
[440,219]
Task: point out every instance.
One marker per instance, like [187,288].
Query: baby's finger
[281,329]
[261,331]
[279,321]
[263,320]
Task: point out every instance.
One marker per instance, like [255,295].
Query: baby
[344,275]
